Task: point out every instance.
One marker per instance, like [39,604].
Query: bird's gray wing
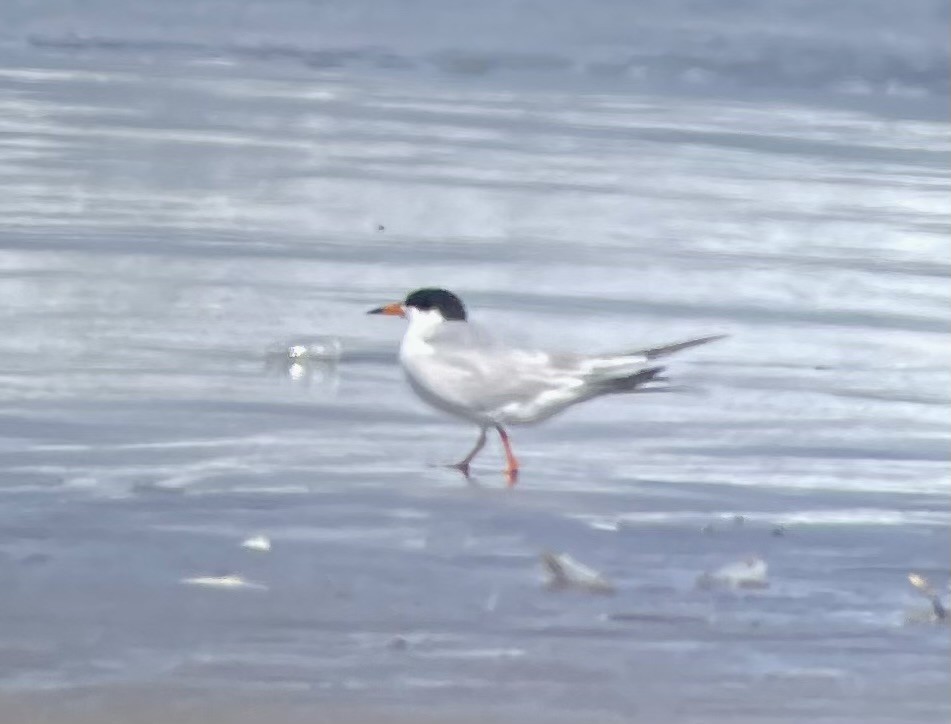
[473,371]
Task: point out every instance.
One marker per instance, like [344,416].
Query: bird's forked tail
[650,379]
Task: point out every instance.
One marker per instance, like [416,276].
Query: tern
[456,368]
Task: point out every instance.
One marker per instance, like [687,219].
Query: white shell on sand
[232,581]
[749,573]
[257,543]
[565,572]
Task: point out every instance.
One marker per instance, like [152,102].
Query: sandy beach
[200,201]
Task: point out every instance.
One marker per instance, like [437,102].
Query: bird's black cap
[448,304]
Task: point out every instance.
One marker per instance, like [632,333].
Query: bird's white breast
[427,375]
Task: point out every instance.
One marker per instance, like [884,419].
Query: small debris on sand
[257,543]
[317,349]
[229,581]
[939,611]
[328,348]
[306,360]
[397,643]
[654,617]
[750,573]
[565,572]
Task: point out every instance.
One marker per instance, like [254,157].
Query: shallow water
[172,214]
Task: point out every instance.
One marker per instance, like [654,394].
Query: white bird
[452,365]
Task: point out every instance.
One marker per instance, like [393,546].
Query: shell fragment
[924,587]
[565,572]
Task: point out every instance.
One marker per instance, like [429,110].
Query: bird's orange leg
[511,464]
[463,465]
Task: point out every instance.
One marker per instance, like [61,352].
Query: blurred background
[200,200]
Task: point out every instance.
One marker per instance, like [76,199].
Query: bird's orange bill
[395,309]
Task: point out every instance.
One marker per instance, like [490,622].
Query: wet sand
[149,706]
[171,212]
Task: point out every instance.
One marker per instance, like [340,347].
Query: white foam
[257,543]
[230,581]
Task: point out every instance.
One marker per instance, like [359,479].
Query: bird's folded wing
[485,380]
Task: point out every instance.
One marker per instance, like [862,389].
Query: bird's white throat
[423,322]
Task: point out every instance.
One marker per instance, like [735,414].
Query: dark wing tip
[630,383]
[655,352]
